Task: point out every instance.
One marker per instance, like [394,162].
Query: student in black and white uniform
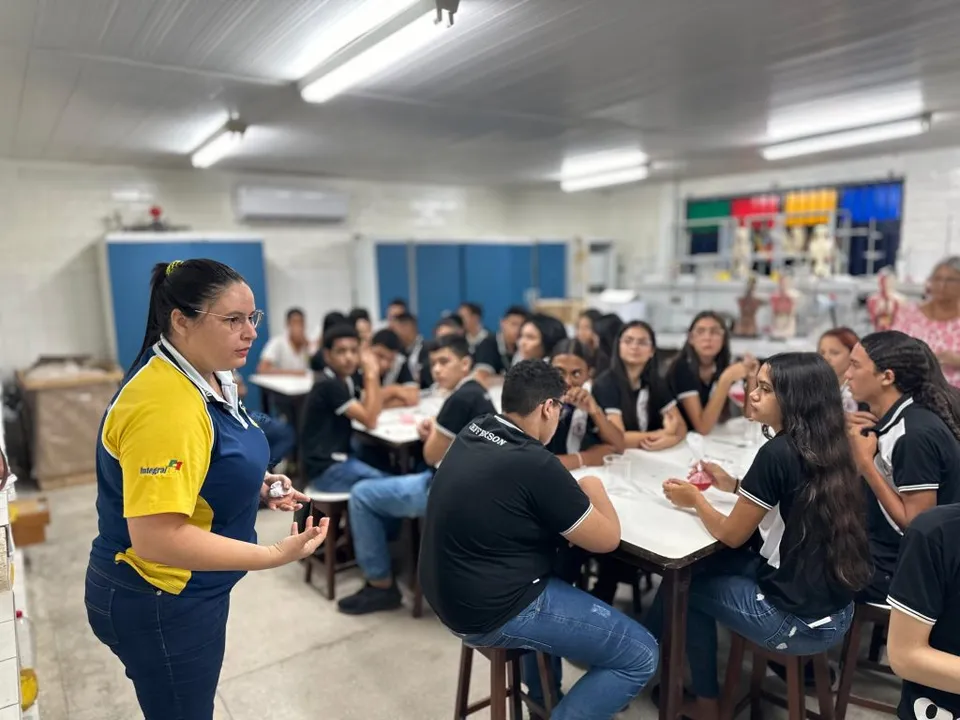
[445,327]
[923,641]
[539,336]
[801,492]
[635,397]
[585,435]
[702,374]
[495,354]
[404,324]
[398,388]
[911,459]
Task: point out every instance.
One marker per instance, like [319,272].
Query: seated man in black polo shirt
[924,637]
[397,383]
[500,507]
[493,355]
[449,325]
[377,506]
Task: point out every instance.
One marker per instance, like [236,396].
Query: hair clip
[173,266]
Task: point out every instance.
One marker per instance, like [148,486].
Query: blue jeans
[342,476]
[171,647]
[376,508]
[570,623]
[726,591]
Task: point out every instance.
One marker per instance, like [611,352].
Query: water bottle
[28,656]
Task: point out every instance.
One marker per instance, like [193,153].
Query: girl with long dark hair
[586,328]
[181,472]
[702,374]
[910,458]
[634,396]
[801,492]
[539,335]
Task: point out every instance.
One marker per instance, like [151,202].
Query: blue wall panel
[552,269]
[496,276]
[393,276]
[439,282]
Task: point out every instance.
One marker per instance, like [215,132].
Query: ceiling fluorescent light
[602,162]
[615,177]
[219,146]
[848,138]
[378,50]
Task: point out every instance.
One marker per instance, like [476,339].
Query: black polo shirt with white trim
[652,401]
[794,577]
[468,401]
[915,452]
[490,354]
[926,586]
[499,507]
[326,428]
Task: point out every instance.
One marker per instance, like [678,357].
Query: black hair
[405,317]
[529,384]
[358,313]
[334,318]
[293,312]
[516,310]
[551,331]
[607,328]
[338,332]
[649,375]
[387,338]
[399,302]
[572,346]
[474,308]
[829,506]
[187,286]
[916,372]
[689,355]
[593,315]
[457,344]
[452,321]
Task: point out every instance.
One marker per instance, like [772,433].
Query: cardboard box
[30,520]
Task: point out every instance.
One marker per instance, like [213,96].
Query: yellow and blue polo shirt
[170,444]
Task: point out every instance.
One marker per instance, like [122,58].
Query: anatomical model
[746,324]
[796,241]
[742,252]
[822,251]
[783,303]
[883,305]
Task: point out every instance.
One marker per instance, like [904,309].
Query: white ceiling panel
[502,97]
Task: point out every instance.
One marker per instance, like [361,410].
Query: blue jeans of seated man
[342,476]
[726,591]
[376,509]
[567,622]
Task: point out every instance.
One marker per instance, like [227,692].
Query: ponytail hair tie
[173,266]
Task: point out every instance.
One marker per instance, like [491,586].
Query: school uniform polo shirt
[468,401]
[915,452]
[684,382]
[926,587]
[491,355]
[806,589]
[652,401]
[499,507]
[396,374]
[326,428]
[170,444]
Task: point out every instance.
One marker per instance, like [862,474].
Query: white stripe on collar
[508,423]
[348,380]
[904,403]
[165,350]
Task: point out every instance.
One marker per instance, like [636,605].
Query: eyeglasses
[237,322]
[635,342]
[705,331]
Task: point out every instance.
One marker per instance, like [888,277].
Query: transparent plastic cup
[616,471]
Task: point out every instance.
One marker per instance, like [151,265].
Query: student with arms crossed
[801,493]
[377,506]
[911,459]
[499,508]
[923,641]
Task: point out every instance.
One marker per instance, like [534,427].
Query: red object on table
[700,478]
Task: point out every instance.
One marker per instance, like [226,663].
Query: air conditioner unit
[253,202]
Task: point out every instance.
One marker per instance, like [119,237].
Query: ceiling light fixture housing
[600,180]
[400,37]
[602,169]
[224,142]
[881,132]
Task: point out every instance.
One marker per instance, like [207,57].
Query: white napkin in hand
[277,491]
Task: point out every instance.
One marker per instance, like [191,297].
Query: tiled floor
[290,655]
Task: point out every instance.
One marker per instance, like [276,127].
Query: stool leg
[728,700]
[415,565]
[516,691]
[547,682]
[757,674]
[330,554]
[463,682]
[308,570]
[635,587]
[821,675]
[795,695]
[877,640]
[498,685]
[851,649]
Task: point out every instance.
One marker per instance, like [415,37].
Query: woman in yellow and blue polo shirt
[181,471]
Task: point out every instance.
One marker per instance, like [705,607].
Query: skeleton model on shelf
[884,304]
[783,303]
[823,249]
[796,241]
[746,324]
[742,252]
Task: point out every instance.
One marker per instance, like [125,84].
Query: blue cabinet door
[496,276]
[393,273]
[439,282]
[552,269]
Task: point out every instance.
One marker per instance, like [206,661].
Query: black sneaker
[371,599]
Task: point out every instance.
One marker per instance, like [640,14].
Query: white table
[289,385]
[659,537]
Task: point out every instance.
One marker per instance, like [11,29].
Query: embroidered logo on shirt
[172,466]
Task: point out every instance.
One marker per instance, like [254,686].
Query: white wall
[52,219]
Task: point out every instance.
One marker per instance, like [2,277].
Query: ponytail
[187,286]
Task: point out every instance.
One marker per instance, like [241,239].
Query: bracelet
[580,458]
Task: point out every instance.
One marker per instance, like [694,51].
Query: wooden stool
[500,689]
[333,506]
[796,696]
[879,615]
